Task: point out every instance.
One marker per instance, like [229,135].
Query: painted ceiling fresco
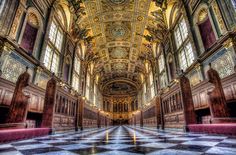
[119,88]
[119,27]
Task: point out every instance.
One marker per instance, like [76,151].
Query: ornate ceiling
[119,27]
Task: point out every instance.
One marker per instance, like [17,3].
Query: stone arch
[175,12]
[63,7]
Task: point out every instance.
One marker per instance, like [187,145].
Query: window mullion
[57,29]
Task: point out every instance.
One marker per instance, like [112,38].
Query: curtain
[29,38]
[207,33]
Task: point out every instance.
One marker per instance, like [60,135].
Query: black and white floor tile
[123,140]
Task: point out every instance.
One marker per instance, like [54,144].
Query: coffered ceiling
[118,26]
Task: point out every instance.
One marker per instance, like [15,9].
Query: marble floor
[123,140]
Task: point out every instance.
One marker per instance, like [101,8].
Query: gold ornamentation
[219,17]
[16,22]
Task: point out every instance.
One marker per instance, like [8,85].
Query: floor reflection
[123,140]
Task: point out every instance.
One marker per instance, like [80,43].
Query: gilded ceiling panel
[119,88]
[118,26]
[119,53]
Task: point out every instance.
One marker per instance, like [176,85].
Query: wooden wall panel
[200,91]
[36,99]
[90,117]
[65,111]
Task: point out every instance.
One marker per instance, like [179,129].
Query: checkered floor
[123,140]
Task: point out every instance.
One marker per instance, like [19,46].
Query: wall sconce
[176,80]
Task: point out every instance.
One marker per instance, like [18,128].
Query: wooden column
[98,120]
[81,113]
[187,101]
[49,103]
[158,111]
[105,121]
[217,99]
[135,120]
[19,105]
[141,118]
[77,115]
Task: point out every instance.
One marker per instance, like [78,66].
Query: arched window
[186,56]
[161,63]
[144,92]
[95,95]
[30,33]
[53,49]
[87,91]
[162,72]
[76,73]
[206,30]
[151,84]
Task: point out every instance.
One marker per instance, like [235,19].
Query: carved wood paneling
[65,110]
[36,95]
[200,91]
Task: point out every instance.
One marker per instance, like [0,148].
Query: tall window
[95,95]
[162,73]
[144,92]
[53,49]
[151,84]
[87,91]
[161,63]
[186,56]
[76,73]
